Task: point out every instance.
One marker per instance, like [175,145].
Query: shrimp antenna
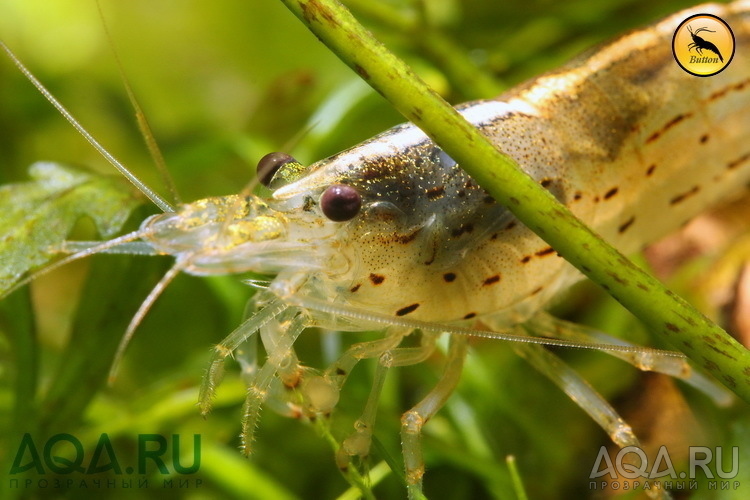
[160,202]
[101,247]
[140,116]
[141,313]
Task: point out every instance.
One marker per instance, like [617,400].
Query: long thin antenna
[105,245]
[145,306]
[140,116]
[160,202]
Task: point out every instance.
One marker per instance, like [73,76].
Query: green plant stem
[683,327]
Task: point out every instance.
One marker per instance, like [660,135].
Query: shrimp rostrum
[392,235]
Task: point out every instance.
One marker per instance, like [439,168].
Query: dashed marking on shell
[406,310]
[407,238]
[514,200]
[545,251]
[731,382]
[435,192]
[491,280]
[650,170]
[510,225]
[723,92]
[609,194]
[537,290]
[625,225]
[376,279]
[671,123]
[643,287]
[737,162]
[704,139]
[355,288]
[470,315]
[672,327]
[683,196]
[488,200]
[449,277]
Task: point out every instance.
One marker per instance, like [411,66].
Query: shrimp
[391,235]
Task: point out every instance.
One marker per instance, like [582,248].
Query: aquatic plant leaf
[37,216]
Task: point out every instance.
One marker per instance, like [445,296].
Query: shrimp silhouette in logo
[699,44]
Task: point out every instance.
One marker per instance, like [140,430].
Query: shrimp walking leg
[547,325]
[413,420]
[358,443]
[215,370]
[580,392]
[281,360]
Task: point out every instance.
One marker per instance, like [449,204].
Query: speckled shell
[631,143]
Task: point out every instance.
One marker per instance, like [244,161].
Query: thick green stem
[662,311]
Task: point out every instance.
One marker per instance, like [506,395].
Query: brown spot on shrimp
[723,92]
[609,194]
[671,123]
[650,170]
[739,161]
[491,280]
[449,277]
[625,225]
[545,251]
[355,287]
[470,315]
[406,310]
[376,279]
[435,192]
[683,196]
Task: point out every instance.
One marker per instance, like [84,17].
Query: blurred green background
[222,83]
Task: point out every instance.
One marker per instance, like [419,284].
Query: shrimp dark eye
[270,164]
[340,202]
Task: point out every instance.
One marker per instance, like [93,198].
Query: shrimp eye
[270,164]
[340,202]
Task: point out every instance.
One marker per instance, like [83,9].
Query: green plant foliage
[39,214]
